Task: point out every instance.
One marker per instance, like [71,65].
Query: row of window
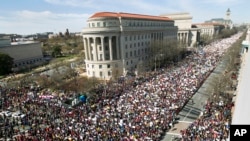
[100,73]
[29,62]
[131,24]
[101,66]
[138,44]
[102,24]
[147,23]
[136,53]
[157,35]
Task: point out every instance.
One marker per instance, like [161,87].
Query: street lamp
[155,63]
[110,74]
[159,55]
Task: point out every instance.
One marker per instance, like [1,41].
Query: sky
[38,16]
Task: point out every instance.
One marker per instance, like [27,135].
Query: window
[92,66]
[109,73]
[126,46]
[106,48]
[100,74]
[93,24]
[126,38]
[100,66]
[126,54]
[98,24]
[100,48]
[135,53]
[104,24]
[101,57]
[131,54]
[108,65]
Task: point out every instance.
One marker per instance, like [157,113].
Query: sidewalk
[241,114]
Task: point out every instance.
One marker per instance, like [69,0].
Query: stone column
[187,38]
[95,50]
[85,48]
[89,48]
[103,49]
[117,48]
[110,48]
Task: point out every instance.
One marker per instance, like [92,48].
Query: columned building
[115,43]
[187,36]
[209,30]
[227,22]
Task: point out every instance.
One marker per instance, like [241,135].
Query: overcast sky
[38,16]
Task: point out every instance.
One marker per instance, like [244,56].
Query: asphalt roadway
[193,108]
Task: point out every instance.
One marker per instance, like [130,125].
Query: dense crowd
[141,108]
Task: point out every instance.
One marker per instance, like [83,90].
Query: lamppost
[155,63]
[110,74]
[159,55]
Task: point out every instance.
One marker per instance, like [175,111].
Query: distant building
[26,54]
[227,22]
[186,35]
[115,43]
[5,40]
[209,30]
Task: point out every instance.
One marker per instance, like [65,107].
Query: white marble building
[209,30]
[115,42]
[187,36]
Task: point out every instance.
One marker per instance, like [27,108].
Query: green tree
[6,63]
[57,51]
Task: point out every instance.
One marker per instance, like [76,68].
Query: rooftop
[208,23]
[128,15]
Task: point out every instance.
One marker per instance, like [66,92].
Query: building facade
[187,36]
[209,30]
[227,22]
[115,43]
[25,54]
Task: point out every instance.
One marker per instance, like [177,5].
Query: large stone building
[25,54]
[208,30]
[227,22]
[187,35]
[115,42]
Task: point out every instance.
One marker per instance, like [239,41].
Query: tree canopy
[6,63]
[57,51]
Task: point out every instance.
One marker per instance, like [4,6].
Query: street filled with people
[137,108]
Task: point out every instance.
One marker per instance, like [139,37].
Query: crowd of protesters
[141,108]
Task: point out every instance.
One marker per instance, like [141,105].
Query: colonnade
[183,37]
[101,48]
